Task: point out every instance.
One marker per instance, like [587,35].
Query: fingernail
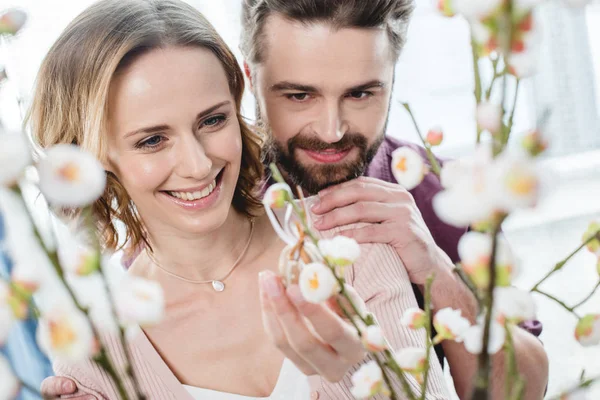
[316,203]
[270,284]
[295,295]
[68,386]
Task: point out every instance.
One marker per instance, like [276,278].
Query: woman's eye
[214,121]
[151,142]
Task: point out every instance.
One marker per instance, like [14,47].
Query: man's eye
[359,95]
[298,96]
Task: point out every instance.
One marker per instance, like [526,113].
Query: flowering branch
[497,74]
[435,165]
[342,293]
[102,357]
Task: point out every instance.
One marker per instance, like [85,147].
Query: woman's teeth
[195,195]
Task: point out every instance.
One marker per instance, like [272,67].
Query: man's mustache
[348,141]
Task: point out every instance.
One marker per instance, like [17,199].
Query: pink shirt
[378,276]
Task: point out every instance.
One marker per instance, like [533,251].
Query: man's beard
[314,178]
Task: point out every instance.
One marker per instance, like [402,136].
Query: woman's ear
[248,74]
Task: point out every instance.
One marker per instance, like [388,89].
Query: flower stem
[512,373]
[386,378]
[584,384]
[469,283]
[495,63]
[427,305]
[560,302]
[561,263]
[435,165]
[477,75]
[393,365]
[483,374]
[512,114]
[589,296]
[88,219]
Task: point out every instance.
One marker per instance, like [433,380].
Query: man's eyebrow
[368,85]
[285,85]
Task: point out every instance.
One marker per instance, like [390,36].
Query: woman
[152,90]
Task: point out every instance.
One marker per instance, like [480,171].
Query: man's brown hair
[392,15]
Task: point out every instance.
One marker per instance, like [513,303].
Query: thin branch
[562,303]
[589,296]
[495,63]
[512,113]
[560,264]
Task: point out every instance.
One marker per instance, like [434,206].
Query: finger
[362,179]
[344,196]
[55,386]
[334,331]
[359,304]
[364,211]
[368,234]
[277,335]
[299,338]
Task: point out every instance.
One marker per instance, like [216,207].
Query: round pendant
[218,286]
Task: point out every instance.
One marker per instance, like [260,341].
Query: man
[322,73]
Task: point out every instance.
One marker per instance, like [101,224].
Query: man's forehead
[321,46]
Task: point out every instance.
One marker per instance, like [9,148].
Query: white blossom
[277,195]
[513,305]
[408,167]
[12,21]
[367,381]
[71,177]
[489,117]
[412,360]
[476,9]
[340,250]
[317,283]
[475,252]
[517,181]
[373,338]
[414,318]
[450,325]
[64,333]
[587,331]
[15,156]
[473,338]
[140,301]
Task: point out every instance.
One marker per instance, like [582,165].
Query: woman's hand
[312,336]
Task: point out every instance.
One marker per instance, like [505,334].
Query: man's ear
[248,74]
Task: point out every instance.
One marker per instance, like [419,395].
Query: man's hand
[55,386]
[393,219]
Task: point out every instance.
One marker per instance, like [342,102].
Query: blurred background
[435,75]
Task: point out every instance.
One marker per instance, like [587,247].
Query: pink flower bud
[435,136]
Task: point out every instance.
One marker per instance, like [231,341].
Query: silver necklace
[217,284]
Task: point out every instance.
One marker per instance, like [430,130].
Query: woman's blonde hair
[70,98]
